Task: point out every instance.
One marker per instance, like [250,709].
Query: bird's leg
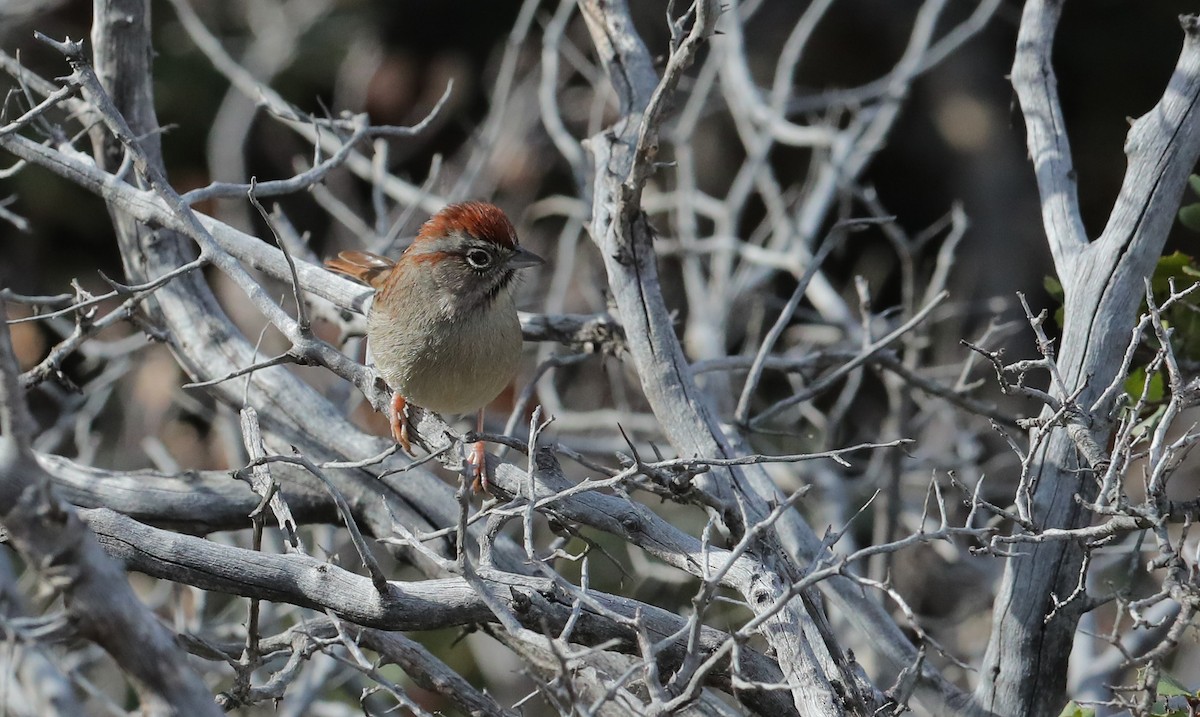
[478,459]
[399,421]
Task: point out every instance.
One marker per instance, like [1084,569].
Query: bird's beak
[524,258]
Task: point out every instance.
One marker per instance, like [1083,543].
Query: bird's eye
[479,259]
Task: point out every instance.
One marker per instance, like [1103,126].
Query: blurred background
[959,141]
[959,138]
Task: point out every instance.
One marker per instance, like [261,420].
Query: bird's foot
[399,422]
[479,468]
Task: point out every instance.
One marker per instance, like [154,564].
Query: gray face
[469,273]
[487,269]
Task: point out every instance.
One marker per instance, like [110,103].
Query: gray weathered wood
[1025,668]
[101,605]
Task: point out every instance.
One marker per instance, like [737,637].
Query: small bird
[442,327]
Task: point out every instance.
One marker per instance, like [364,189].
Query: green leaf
[1178,266]
[1054,288]
[1186,340]
[1173,262]
[1194,180]
[1169,687]
[1074,710]
[1136,383]
[1189,216]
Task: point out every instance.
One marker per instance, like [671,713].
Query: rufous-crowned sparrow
[442,326]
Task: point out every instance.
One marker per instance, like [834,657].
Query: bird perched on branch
[442,327]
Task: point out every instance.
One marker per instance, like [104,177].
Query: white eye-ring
[479,258]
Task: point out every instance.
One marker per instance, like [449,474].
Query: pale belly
[449,369]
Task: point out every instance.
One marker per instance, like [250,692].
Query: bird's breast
[449,366]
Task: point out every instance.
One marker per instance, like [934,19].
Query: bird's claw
[399,422]
[478,461]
